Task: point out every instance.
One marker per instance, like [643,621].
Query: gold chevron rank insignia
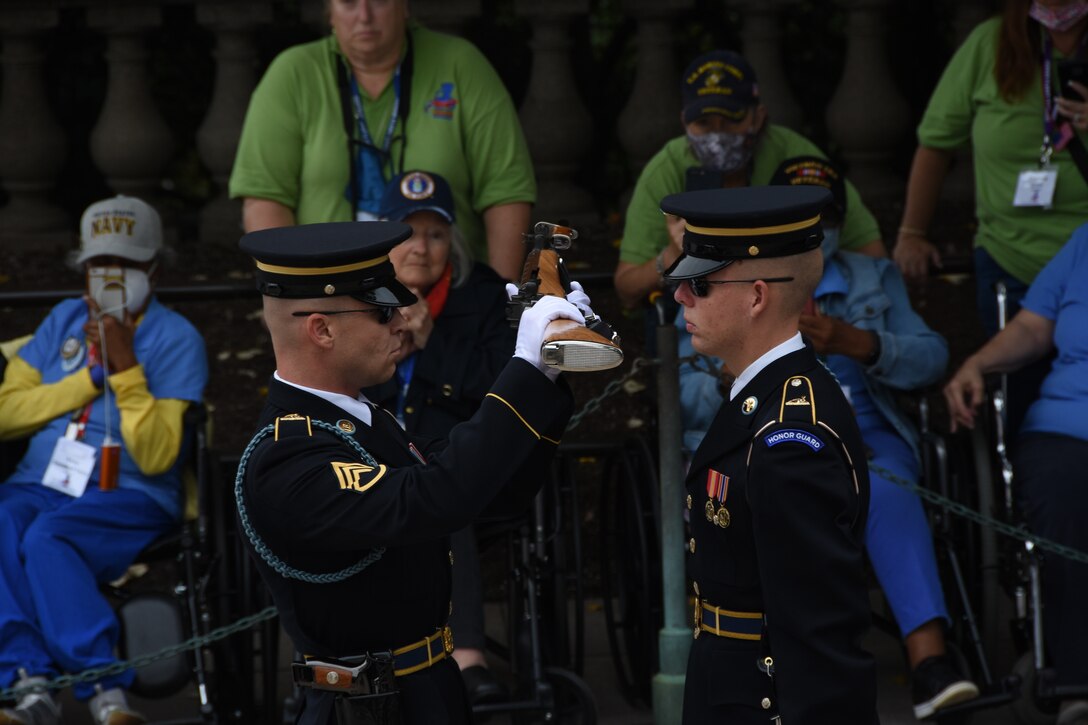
[357,476]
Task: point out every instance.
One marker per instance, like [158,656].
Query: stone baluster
[130,142]
[447,16]
[556,123]
[235,78]
[652,113]
[866,116]
[32,144]
[762,37]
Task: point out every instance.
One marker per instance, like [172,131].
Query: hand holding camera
[112,337]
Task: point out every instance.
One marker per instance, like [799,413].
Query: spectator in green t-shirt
[334,119]
[728,142]
[991,97]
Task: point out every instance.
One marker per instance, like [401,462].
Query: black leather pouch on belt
[381,709]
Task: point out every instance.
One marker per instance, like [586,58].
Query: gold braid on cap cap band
[753,231]
[313,271]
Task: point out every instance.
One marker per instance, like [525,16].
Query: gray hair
[459,257]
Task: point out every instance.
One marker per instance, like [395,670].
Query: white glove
[580,299]
[533,326]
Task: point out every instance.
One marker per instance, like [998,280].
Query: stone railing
[132,149]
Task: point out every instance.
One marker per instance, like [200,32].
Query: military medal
[717,488]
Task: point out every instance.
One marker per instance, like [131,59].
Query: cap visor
[399,215]
[114,249]
[687,267]
[715,106]
[391,294]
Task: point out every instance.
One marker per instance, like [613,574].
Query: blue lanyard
[1050,133]
[360,114]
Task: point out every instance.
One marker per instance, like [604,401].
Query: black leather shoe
[481,685]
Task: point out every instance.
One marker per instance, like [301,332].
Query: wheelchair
[1007,584]
[181,586]
[211,583]
[545,605]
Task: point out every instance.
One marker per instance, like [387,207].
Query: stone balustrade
[133,149]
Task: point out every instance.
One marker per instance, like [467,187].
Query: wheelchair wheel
[562,591]
[1027,708]
[631,567]
[572,702]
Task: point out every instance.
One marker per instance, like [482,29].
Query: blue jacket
[869,294]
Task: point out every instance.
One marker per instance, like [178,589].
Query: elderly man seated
[100,390]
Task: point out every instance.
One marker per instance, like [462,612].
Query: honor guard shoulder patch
[357,477]
[798,402]
[793,435]
[293,424]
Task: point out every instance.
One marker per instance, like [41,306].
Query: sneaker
[937,684]
[1073,712]
[109,707]
[33,708]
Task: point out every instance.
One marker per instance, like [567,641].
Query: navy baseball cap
[814,171]
[331,259]
[413,191]
[754,222]
[720,82]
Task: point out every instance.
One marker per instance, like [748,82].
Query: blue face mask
[830,245]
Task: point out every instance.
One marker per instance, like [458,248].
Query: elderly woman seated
[456,340]
[1052,444]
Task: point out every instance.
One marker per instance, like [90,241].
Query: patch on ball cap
[417,185]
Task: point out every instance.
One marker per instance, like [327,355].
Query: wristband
[913,231]
[98,375]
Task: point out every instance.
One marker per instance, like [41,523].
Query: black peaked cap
[331,259]
[755,222]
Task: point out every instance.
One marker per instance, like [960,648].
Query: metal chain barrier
[970,514]
[592,405]
[115,668]
[611,389]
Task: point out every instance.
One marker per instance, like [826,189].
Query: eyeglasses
[385,314]
[700,286]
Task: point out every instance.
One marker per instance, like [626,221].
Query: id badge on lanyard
[1035,185]
[371,158]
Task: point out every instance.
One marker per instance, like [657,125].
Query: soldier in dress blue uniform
[349,516]
[778,490]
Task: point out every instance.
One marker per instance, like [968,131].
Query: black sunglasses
[385,314]
[700,286]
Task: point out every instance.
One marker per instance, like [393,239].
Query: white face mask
[721,151]
[110,285]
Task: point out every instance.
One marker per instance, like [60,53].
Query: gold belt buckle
[447,639]
[698,616]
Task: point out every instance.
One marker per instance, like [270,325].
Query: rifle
[568,345]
